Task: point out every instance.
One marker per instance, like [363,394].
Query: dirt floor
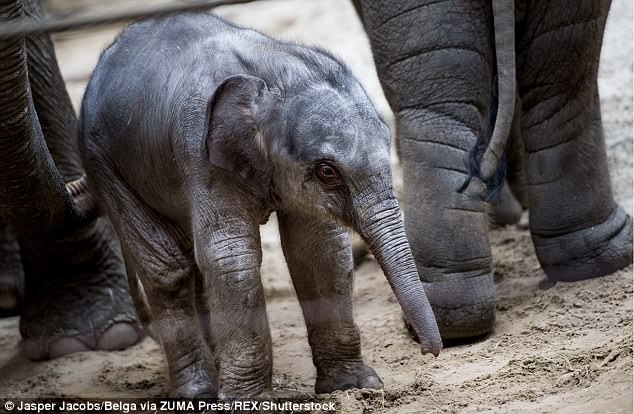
[566,349]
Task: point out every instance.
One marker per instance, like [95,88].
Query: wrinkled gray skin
[60,269]
[192,132]
[435,60]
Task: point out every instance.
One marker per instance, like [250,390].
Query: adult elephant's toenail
[66,346]
[32,350]
[119,336]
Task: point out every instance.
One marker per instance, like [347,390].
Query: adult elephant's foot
[464,305]
[505,209]
[77,298]
[11,275]
[587,253]
[346,376]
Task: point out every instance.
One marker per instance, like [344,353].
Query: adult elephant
[436,62]
[75,292]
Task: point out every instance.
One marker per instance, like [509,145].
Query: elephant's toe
[63,330]
[119,336]
[37,349]
[65,346]
[33,349]
[116,337]
[79,298]
[347,377]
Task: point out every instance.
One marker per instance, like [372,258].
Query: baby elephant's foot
[195,390]
[345,377]
[193,383]
[587,253]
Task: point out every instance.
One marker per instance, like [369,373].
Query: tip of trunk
[431,348]
[431,343]
[389,245]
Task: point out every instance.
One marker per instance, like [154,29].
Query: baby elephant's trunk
[382,229]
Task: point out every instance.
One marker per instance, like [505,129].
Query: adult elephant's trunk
[382,229]
[27,167]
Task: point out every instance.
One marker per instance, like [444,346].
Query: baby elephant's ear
[233,139]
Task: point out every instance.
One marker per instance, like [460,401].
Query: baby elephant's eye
[328,174]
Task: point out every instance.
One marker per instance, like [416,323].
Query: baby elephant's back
[147,90]
[149,64]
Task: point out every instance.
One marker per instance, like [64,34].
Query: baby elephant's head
[322,150]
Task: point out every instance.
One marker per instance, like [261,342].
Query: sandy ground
[567,349]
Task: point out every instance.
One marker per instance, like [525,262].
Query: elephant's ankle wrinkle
[464,306]
[456,271]
[326,366]
[243,388]
[336,349]
[586,253]
[250,376]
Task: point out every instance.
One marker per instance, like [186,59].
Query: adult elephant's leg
[434,59]
[72,267]
[11,275]
[578,230]
[505,209]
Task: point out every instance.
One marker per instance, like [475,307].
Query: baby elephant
[192,132]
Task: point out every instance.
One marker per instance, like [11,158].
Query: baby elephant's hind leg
[167,271]
[319,259]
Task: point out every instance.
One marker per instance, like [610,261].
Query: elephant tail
[487,159]
[84,201]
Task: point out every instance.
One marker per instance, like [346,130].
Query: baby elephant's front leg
[229,258]
[319,258]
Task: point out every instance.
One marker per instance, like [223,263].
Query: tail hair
[496,181]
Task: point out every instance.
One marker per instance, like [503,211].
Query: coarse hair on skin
[306,66]
[496,181]
[309,64]
[332,71]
